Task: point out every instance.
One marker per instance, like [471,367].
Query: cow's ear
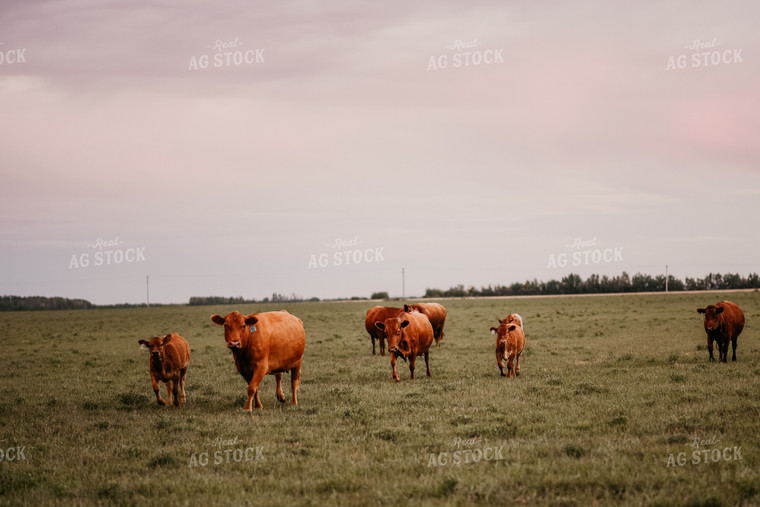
[218,319]
[167,339]
[406,308]
[493,330]
[719,310]
[700,310]
[511,328]
[143,344]
[380,326]
[251,320]
[405,323]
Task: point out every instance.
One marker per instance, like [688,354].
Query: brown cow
[169,360]
[510,342]
[409,335]
[265,343]
[435,313]
[724,322]
[375,314]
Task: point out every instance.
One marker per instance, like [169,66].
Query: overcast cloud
[343,127]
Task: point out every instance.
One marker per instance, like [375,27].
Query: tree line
[595,284]
[26,303]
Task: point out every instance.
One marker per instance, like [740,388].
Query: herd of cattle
[273,343]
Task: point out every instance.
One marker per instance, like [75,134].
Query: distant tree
[379,295]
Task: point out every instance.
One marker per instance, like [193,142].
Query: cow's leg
[183,397]
[427,363]
[253,389]
[412,360]
[382,345]
[510,366]
[169,391]
[295,381]
[723,344]
[517,366]
[278,392]
[710,347]
[733,345]
[176,385]
[393,367]
[155,384]
[373,344]
[500,361]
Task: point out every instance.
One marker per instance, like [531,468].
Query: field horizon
[615,403]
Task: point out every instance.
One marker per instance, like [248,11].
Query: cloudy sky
[245,148]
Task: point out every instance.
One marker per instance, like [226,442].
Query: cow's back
[436,314]
[281,337]
[177,353]
[732,318]
[420,327]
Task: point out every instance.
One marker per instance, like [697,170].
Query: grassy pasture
[610,388]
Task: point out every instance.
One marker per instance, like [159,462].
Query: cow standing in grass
[265,343]
[724,322]
[435,313]
[510,342]
[409,335]
[379,314]
[169,360]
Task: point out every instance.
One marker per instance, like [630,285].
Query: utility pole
[147,289]
[666,278]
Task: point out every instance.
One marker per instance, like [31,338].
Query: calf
[409,335]
[169,360]
[375,314]
[265,343]
[510,342]
[435,313]
[724,322]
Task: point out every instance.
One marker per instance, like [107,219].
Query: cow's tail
[440,337]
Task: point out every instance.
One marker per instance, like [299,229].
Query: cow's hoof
[281,399]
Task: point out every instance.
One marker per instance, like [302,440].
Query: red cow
[409,335]
[375,314]
[265,343]
[169,360]
[724,322]
[435,313]
[510,342]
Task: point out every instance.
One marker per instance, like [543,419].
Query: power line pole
[666,278]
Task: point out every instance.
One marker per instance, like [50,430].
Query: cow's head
[394,333]
[712,316]
[504,328]
[236,328]
[156,346]
[411,308]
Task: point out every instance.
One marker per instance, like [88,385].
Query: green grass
[609,388]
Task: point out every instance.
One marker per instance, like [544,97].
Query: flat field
[616,404]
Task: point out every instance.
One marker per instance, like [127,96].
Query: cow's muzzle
[233,345]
